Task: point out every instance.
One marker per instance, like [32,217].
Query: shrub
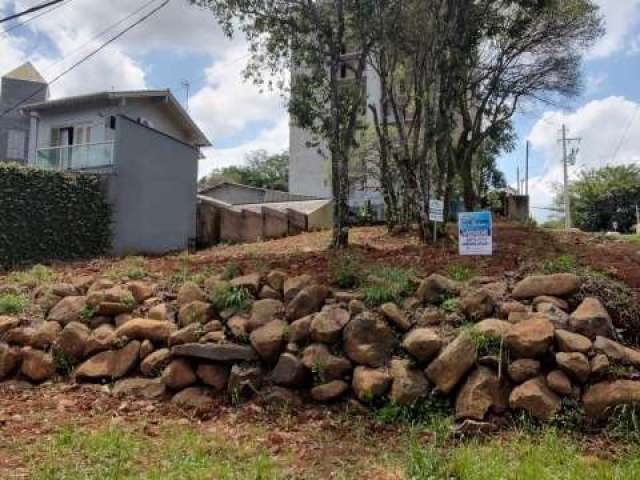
[346,271]
[232,270]
[13,304]
[48,215]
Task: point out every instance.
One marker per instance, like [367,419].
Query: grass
[231,270]
[461,273]
[562,264]
[387,284]
[134,268]
[176,453]
[13,304]
[633,238]
[35,276]
[224,296]
[346,271]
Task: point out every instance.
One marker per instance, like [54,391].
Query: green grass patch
[134,268]
[13,304]
[562,264]
[461,273]
[346,271]
[176,454]
[387,284]
[231,270]
[35,276]
[224,296]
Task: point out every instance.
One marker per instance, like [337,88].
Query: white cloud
[608,138]
[622,17]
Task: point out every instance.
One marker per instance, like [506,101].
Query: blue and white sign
[475,233]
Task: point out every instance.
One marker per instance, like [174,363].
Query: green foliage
[429,411]
[346,271]
[13,304]
[64,363]
[562,264]
[36,275]
[571,416]
[89,312]
[461,273]
[224,296]
[387,284]
[231,270]
[485,344]
[134,268]
[451,305]
[47,215]
[624,422]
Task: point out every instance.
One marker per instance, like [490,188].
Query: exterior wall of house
[153,191]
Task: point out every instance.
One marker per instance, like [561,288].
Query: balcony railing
[89,156]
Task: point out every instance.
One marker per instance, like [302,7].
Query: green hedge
[46,215]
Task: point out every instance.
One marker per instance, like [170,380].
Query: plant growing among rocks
[12,303]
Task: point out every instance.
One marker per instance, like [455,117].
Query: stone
[535,397]
[293,285]
[396,317]
[45,334]
[146,329]
[480,393]
[326,326]
[617,352]
[46,299]
[267,292]
[329,391]
[154,363]
[111,364]
[504,309]
[227,352]
[198,398]
[101,284]
[69,309]
[21,336]
[346,297]
[190,292]
[275,279]
[146,349]
[431,317]
[72,340]
[559,382]
[146,388]
[8,323]
[64,290]
[408,384]
[244,381]
[422,343]
[141,291]
[368,340]
[558,317]
[122,319]
[600,364]
[82,282]
[493,327]
[238,325]
[452,364]
[601,397]
[160,311]
[370,383]
[265,311]
[556,285]
[309,300]
[558,302]
[9,360]
[189,334]
[436,288]
[575,364]
[356,307]
[289,371]
[251,282]
[572,342]
[100,320]
[213,375]
[178,374]
[37,365]
[317,359]
[269,340]
[213,337]
[112,301]
[517,317]
[194,312]
[523,369]
[591,320]
[300,330]
[477,304]
[280,398]
[530,338]
[101,339]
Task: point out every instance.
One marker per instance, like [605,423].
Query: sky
[184,43]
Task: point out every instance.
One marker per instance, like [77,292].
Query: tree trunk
[340,186]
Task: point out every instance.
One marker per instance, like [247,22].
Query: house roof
[174,107]
[26,72]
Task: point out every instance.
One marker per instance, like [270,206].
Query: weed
[562,264]
[427,411]
[129,301]
[224,296]
[570,417]
[624,422]
[64,363]
[346,271]
[387,284]
[134,268]
[88,312]
[13,304]
[36,275]
[461,273]
[451,305]
[231,270]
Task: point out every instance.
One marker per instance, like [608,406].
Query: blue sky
[183,42]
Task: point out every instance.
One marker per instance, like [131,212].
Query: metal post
[526,172]
[567,206]
[637,219]
[435,232]
[518,174]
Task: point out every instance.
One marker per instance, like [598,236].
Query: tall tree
[260,170]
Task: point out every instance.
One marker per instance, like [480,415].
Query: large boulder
[214,375]
[309,300]
[190,292]
[198,398]
[423,343]
[492,327]
[319,360]
[370,383]
[436,288]
[275,279]
[263,312]
[408,384]
[109,365]
[329,391]
[37,365]
[101,339]
[300,330]
[531,337]
[556,285]
[575,364]
[244,381]
[524,369]
[368,340]
[250,282]
[452,364]
[8,323]
[9,360]
[112,301]
[326,326]
[72,340]
[146,388]
[591,319]
[617,352]
[289,371]
[69,309]
[189,334]
[535,397]
[557,316]
[226,352]
[269,340]
[601,397]
[293,285]
[572,342]
[154,363]
[559,382]
[141,291]
[194,312]
[477,304]
[481,392]
[397,317]
[178,374]
[146,329]
[45,334]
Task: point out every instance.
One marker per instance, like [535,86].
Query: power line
[30,10]
[5,33]
[87,57]
[623,139]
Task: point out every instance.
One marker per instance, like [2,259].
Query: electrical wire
[5,33]
[37,8]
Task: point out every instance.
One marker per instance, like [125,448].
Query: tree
[317,41]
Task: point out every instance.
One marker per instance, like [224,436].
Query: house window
[16,143]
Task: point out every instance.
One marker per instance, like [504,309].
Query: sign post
[475,231]
[436,215]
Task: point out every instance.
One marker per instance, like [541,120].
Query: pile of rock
[297,339]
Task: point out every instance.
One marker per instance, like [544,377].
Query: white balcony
[89,156]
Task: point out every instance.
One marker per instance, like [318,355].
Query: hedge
[47,215]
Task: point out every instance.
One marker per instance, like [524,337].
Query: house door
[66,154]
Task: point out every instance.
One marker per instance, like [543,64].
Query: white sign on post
[436,211]
[475,233]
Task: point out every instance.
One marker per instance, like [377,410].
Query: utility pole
[526,172]
[187,87]
[637,219]
[566,160]
[518,174]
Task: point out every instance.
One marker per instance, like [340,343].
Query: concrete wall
[153,191]
[236,194]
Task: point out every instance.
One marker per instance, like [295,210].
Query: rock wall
[503,347]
